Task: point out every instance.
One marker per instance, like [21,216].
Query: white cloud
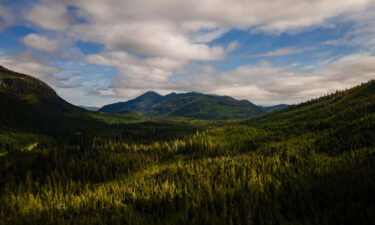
[362,31]
[269,15]
[283,51]
[262,83]
[150,38]
[265,83]
[180,29]
[207,36]
[41,43]
[41,68]
[52,16]
[233,46]
[151,41]
[29,64]
[335,42]
[137,74]
[6,18]
[280,51]
[154,68]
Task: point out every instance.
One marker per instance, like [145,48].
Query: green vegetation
[187,105]
[312,163]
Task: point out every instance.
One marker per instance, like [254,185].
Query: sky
[96,52]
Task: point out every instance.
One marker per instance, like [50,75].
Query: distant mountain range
[190,105]
[274,107]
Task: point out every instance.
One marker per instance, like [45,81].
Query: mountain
[29,103]
[142,103]
[190,105]
[30,106]
[89,108]
[274,107]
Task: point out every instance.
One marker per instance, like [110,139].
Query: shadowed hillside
[28,103]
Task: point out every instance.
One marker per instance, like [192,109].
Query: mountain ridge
[200,106]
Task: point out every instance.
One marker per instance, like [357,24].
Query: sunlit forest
[312,163]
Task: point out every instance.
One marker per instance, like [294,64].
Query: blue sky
[98,52]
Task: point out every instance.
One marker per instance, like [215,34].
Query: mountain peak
[138,104]
[150,96]
[150,93]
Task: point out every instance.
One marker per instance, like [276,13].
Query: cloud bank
[41,43]
[151,42]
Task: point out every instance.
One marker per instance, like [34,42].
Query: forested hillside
[26,101]
[31,110]
[312,163]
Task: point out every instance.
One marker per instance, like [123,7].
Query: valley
[168,160]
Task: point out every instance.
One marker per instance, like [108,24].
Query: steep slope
[32,112]
[189,105]
[334,123]
[27,102]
